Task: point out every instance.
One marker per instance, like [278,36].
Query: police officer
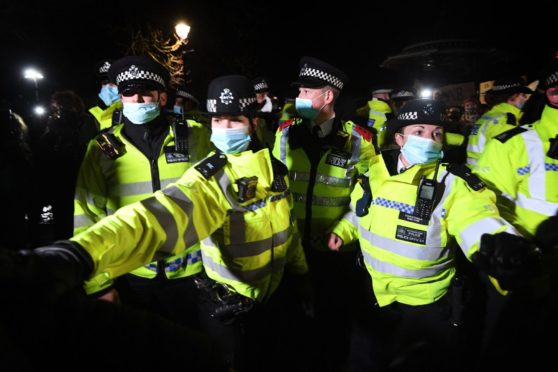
[520,166]
[404,214]
[236,203]
[324,155]
[507,98]
[379,110]
[108,111]
[129,162]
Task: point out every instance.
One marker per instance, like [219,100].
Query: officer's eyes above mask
[133,92]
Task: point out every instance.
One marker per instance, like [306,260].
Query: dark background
[259,38]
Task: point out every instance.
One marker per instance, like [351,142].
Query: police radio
[426,196]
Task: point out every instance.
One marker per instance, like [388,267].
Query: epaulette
[110,145]
[116,117]
[512,120]
[503,137]
[286,123]
[211,165]
[365,133]
[464,172]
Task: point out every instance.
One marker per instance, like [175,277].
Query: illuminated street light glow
[182,30]
[32,74]
[39,110]
[426,93]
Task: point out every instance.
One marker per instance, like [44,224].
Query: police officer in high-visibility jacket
[108,111]
[379,111]
[521,165]
[128,163]
[236,202]
[507,97]
[404,213]
[324,155]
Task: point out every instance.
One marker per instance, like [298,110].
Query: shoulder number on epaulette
[211,165]
[503,137]
[464,172]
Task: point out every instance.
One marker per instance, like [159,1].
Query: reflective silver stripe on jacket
[166,220]
[392,269]
[249,249]
[323,201]
[190,234]
[404,249]
[246,276]
[283,142]
[138,188]
[321,178]
[472,233]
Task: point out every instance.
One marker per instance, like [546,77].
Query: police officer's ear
[399,137]
[163,98]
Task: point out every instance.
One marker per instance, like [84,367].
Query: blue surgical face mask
[419,150]
[178,110]
[109,94]
[230,140]
[304,107]
[141,113]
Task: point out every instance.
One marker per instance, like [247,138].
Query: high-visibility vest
[322,191]
[408,257]
[248,235]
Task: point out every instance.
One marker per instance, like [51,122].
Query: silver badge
[226,96]
[133,71]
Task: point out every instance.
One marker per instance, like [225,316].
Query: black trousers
[401,337]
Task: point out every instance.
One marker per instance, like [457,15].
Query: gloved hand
[546,236]
[57,269]
[511,259]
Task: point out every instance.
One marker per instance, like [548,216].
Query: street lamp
[182,30]
[33,74]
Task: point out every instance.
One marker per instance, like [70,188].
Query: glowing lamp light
[182,30]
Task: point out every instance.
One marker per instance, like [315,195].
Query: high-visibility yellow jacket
[408,258]
[104,116]
[245,244]
[499,119]
[516,166]
[105,185]
[378,110]
[322,177]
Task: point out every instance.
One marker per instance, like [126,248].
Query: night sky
[255,38]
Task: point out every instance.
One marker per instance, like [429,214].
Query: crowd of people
[249,234]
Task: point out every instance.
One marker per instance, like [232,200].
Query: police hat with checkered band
[101,69]
[138,73]
[509,86]
[186,93]
[260,85]
[316,74]
[231,95]
[419,111]
[550,78]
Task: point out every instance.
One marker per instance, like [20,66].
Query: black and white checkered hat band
[187,95]
[242,104]
[261,86]
[504,87]
[411,115]
[551,79]
[322,75]
[104,68]
[134,73]
[211,105]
